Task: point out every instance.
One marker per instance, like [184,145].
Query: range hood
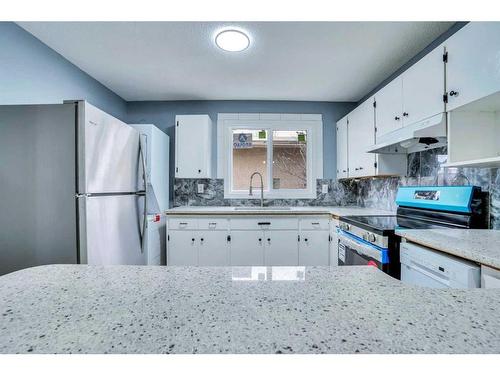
[423,135]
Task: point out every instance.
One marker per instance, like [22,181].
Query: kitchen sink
[253,208]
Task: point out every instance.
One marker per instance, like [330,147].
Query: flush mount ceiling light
[232,40]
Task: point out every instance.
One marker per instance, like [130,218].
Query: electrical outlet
[324,188]
[201,188]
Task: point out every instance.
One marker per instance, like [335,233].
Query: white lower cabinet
[182,248]
[281,248]
[283,241]
[213,249]
[314,248]
[247,248]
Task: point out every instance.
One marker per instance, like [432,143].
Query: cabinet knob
[360,168]
[260,239]
[269,240]
[199,170]
[192,239]
[397,118]
[405,114]
[305,239]
[344,170]
[453,93]
[201,239]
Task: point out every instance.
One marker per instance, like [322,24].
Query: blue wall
[162,114]
[32,73]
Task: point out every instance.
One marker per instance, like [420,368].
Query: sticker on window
[242,140]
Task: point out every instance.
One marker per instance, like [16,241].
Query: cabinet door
[342,162]
[192,146]
[314,248]
[361,135]
[213,248]
[247,248]
[423,88]
[389,109]
[282,248]
[473,70]
[182,248]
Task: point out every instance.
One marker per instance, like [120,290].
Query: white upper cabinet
[342,165]
[473,68]
[389,107]
[193,146]
[361,135]
[423,88]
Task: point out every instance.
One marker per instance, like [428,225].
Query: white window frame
[312,123]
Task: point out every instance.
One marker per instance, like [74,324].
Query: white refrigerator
[73,187]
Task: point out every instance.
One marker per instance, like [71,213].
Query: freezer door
[112,230]
[108,153]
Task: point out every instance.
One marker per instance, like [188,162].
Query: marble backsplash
[424,168]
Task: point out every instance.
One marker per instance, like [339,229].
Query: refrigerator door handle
[142,142]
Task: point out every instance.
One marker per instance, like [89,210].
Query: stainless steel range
[370,240]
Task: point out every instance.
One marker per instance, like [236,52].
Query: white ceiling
[317,61]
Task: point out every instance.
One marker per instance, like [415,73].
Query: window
[286,152]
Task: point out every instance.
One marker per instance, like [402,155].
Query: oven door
[354,251]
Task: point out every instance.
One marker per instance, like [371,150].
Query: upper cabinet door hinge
[445,98]
[445,57]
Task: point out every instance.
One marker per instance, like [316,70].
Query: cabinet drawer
[182,224]
[213,224]
[315,224]
[270,223]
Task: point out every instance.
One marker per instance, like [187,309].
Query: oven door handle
[361,248]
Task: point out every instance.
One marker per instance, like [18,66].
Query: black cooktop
[383,225]
[386,225]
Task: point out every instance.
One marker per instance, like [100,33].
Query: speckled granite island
[478,245]
[139,309]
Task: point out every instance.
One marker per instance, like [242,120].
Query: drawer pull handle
[315,223]
[264,223]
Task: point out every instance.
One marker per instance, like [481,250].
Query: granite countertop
[302,210]
[479,245]
[147,309]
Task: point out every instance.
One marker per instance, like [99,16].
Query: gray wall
[33,73]
[163,114]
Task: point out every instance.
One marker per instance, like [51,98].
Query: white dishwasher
[426,267]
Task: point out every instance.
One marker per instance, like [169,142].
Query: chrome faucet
[261,187]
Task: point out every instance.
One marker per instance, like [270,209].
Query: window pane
[249,155]
[289,159]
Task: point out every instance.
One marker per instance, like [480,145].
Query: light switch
[324,188]
[201,188]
